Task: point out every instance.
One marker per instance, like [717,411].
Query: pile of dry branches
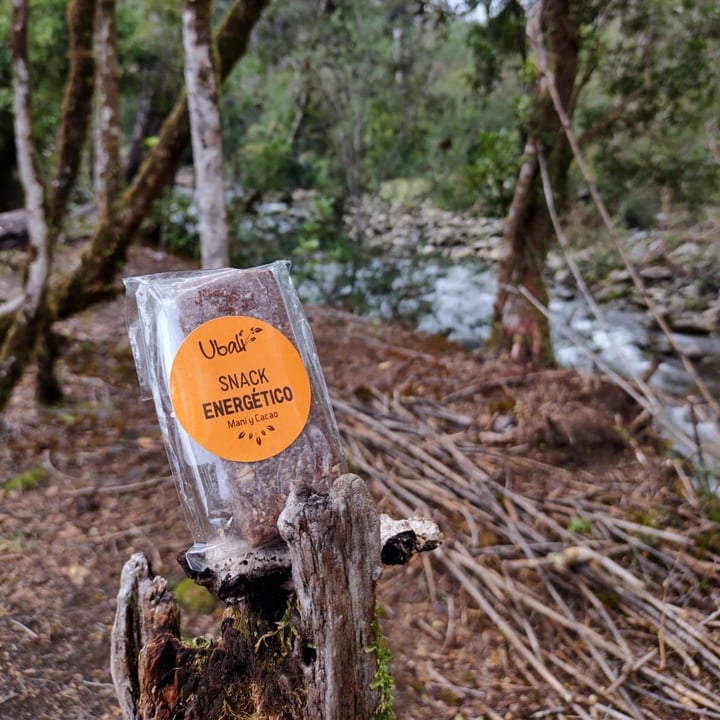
[608,607]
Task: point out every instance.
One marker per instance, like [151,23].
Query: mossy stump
[295,637]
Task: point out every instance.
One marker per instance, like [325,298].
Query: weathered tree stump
[294,639]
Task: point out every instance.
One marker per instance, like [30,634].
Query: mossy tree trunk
[74,125]
[520,330]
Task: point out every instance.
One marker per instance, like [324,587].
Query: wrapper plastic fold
[229,359]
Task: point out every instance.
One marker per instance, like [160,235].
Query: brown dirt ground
[101,489]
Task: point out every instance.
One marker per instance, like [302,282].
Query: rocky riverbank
[679,267]
[444,282]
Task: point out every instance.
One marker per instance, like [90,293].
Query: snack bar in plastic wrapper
[229,359]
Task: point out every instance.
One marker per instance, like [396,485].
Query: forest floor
[85,484]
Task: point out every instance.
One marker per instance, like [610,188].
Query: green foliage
[493,164]
[150,57]
[366,116]
[646,95]
[338,104]
[150,54]
[269,165]
[178,220]
[493,42]
[25,480]
[47,47]
[658,74]
[321,230]
[149,33]
[383,681]
[580,525]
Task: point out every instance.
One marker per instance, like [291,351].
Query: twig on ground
[630,604]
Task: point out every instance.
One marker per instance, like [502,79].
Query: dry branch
[630,601]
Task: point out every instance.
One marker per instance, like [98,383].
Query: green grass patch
[27,480]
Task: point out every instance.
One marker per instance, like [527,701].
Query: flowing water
[434,270]
[455,300]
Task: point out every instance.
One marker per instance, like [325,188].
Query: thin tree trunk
[203,104]
[76,109]
[74,124]
[107,126]
[520,330]
[513,332]
[20,339]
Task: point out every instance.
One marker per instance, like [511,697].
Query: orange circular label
[240,388]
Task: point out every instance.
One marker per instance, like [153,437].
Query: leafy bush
[179,224]
[493,164]
[270,166]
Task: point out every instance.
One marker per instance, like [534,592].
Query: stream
[456,299]
[435,270]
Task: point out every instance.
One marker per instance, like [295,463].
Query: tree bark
[20,339]
[334,546]
[106,172]
[296,643]
[74,125]
[519,329]
[76,109]
[203,104]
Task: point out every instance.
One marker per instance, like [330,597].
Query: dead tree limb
[334,543]
[146,610]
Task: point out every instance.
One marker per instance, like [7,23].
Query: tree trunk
[520,330]
[203,104]
[335,549]
[298,642]
[30,177]
[106,171]
[20,339]
[74,124]
[76,109]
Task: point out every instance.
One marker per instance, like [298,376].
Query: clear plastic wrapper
[229,360]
